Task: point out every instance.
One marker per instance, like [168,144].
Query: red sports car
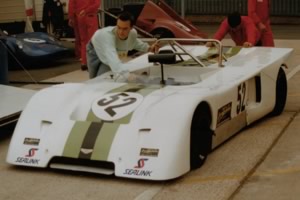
[160,20]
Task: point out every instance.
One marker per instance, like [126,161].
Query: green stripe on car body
[75,139]
[104,141]
[88,143]
[92,117]
[231,51]
[102,133]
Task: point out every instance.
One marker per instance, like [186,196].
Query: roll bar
[176,42]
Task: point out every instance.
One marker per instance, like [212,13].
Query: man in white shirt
[110,44]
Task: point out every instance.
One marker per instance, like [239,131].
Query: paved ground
[261,162]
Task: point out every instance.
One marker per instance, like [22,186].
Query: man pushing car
[110,45]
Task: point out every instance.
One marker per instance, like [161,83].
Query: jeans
[95,66]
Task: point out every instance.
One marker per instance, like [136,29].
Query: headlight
[180,25]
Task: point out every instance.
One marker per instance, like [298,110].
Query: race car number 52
[114,106]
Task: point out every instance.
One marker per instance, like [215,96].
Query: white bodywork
[142,130]
[13,101]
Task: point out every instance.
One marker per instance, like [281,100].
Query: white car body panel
[153,140]
[13,101]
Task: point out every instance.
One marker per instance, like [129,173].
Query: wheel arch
[201,135]
[280,92]
[163,32]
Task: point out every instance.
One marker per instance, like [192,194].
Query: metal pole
[3,64]
[102,14]
[182,9]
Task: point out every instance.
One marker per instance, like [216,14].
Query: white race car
[185,101]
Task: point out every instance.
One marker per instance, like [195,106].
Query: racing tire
[281,93]
[201,136]
[162,33]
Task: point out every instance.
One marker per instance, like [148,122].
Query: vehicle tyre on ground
[281,93]
[201,136]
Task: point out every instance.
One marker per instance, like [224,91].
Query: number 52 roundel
[114,106]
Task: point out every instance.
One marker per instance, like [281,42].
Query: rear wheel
[162,33]
[281,93]
[201,136]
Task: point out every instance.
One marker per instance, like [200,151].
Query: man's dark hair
[234,19]
[127,16]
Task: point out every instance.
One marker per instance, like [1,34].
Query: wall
[14,10]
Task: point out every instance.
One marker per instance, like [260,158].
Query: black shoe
[84,68]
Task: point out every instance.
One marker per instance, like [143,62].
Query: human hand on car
[209,44]
[154,47]
[247,44]
[131,78]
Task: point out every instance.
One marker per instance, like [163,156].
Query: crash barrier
[3,64]
[219,7]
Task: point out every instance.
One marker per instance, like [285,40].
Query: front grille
[85,165]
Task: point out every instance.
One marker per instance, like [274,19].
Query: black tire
[162,33]
[281,93]
[201,136]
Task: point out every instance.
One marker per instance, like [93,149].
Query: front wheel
[201,136]
[281,93]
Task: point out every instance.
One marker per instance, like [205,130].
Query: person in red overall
[259,11]
[241,29]
[84,19]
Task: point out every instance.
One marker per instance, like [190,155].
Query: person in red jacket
[259,11]
[241,29]
[84,19]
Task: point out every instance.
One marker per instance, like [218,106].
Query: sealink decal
[31,152]
[141,163]
[138,169]
[28,158]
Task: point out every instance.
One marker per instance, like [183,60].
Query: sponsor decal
[138,171]
[31,141]
[149,152]
[31,152]
[141,163]
[224,114]
[30,161]
[28,158]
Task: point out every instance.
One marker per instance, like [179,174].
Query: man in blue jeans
[109,45]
